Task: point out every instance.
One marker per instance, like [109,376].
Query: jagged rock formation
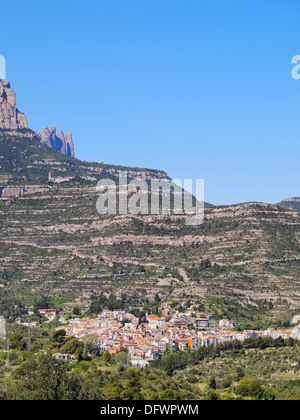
[10,117]
[61,142]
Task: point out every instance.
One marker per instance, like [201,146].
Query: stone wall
[19,191]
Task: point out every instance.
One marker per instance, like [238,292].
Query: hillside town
[146,342]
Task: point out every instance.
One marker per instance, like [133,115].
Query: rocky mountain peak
[63,143]
[10,117]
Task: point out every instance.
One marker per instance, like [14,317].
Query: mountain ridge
[11,119]
[24,157]
[242,262]
[291,203]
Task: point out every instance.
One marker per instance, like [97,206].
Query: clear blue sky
[201,89]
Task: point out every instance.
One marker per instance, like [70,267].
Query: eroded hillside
[243,259]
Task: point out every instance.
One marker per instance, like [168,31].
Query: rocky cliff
[10,117]
[61,142]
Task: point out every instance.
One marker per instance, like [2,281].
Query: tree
[58,339]
[17,341]
[213,396]
[243,388]
[205,264]
[44,379]
[169,394]
[240,374]
[256,391]
[213,383]
[91,345]
[76,311]
[72,345]
[79,354]
[269,394]
[113,390]
[93,382]
[44,302]
[249,388]
[121,358]
[107,357]
[157,299]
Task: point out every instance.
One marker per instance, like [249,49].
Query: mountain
[12,120]
[291,203]
[243,262]
[58,142]
[25,160]
[10,117]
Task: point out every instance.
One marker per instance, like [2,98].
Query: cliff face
[10,117]
[61,142]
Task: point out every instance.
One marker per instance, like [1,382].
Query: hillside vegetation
[242,262]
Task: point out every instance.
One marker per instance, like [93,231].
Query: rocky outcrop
[61,142]
[10,117]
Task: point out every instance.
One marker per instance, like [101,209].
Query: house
[225,323]
[182,343]
[202,323]
[115,349]
[193,342]
[155,321]
[51,313]
[141,362]
[162,345]
[65,357]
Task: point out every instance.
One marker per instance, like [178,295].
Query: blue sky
[201,89]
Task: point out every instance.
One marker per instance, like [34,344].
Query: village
[146,342]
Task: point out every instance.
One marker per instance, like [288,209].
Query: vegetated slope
[242,262]
[24,159]
[291,203]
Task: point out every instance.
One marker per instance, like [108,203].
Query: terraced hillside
[242,262]
[291,203]
[24,159]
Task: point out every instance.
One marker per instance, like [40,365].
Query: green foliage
[44,379]
[174,360]
[208,373]
[17,341]
[111,303]
[58,339]
[107,357]
[73,346]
